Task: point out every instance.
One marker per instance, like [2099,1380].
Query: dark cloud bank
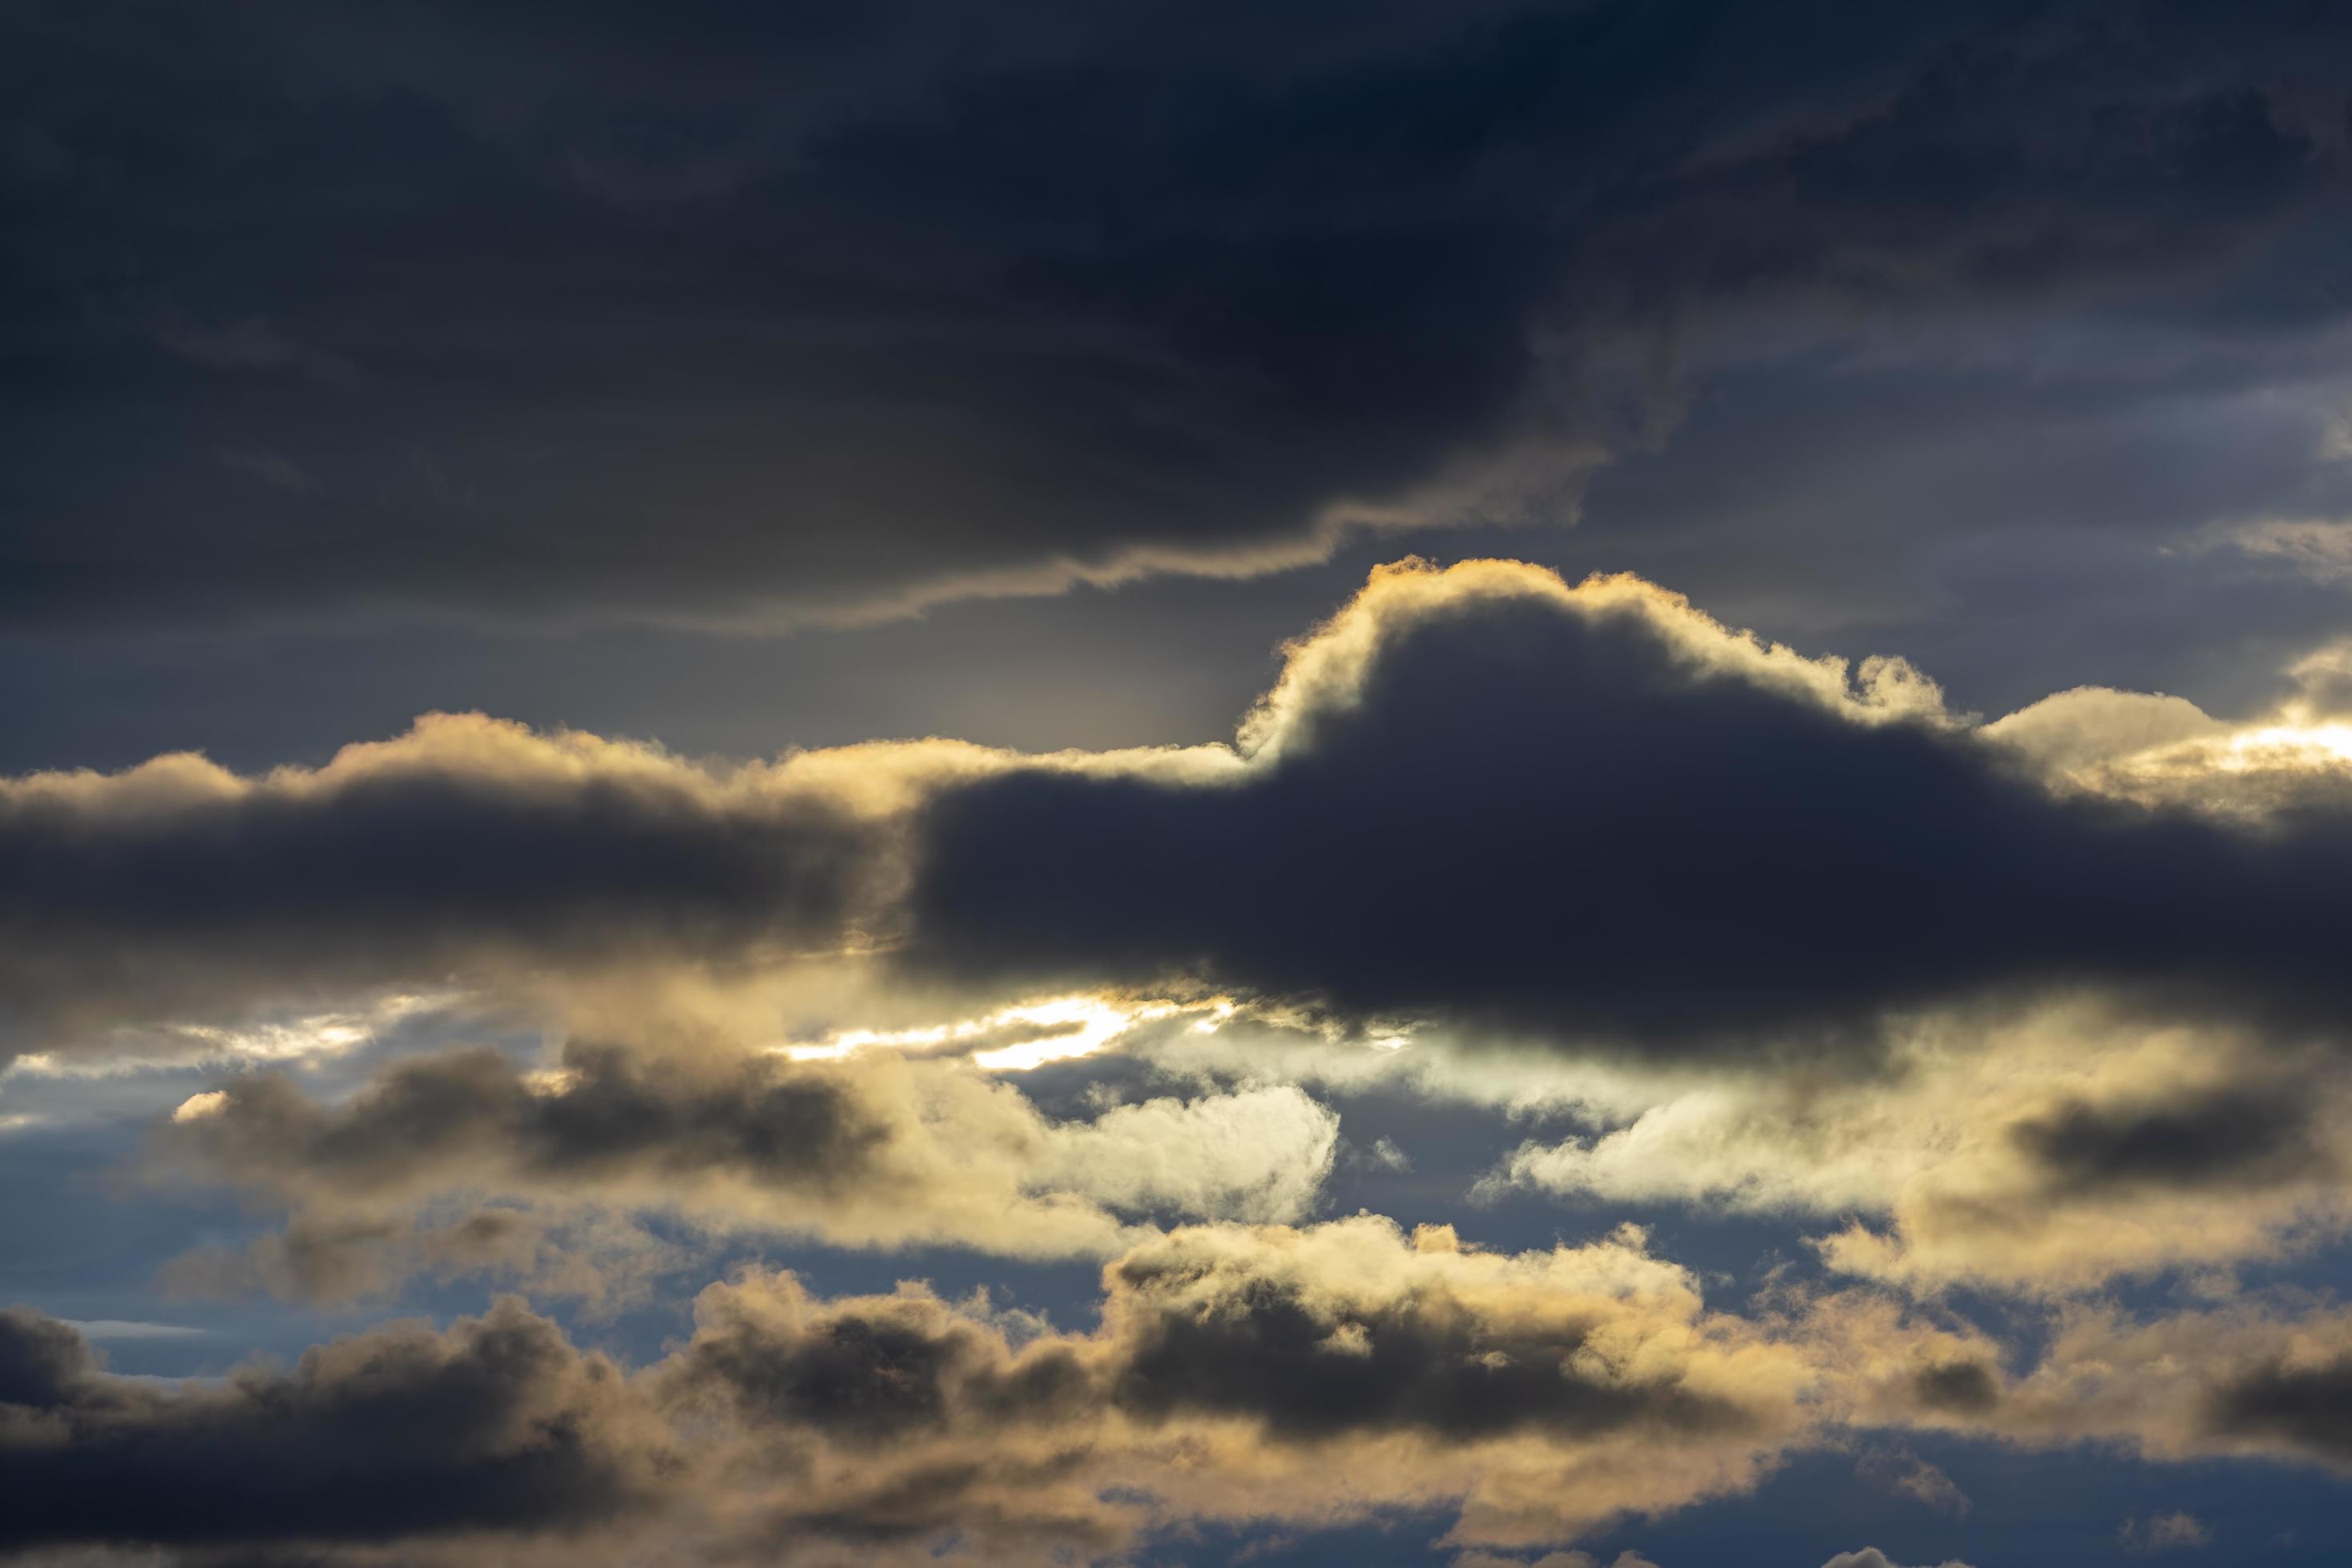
[724,310]
[1523,808]
[1551,823]
[498,1424]
[465,844]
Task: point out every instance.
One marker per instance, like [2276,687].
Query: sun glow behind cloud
[300,1039]
[1058,1028]
[2310,744]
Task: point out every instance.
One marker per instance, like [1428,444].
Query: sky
[1505,784]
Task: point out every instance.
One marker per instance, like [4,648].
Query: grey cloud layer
[729,314]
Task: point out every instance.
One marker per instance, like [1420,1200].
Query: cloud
[466,844]
[1305,1375]
[1552,1559]
[1100,296]
[1481,796]
[1872,1557]
[497,1424]
[1902,1473]
[889,1424]
[2163,1531]
[1590,812]
[2046,1150]
[274,470]
[2162,751]
[602,1261]
[2254,1378]
[874,1151]
[2316,548]
[1272,1374]
[2299,1402]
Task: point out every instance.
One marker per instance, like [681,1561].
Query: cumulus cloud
[1267,1374]
[1538,1393]
[872,1150]
[496,1424]
[1305,1375]
[2047,1150]
[2164,752]
[2255,1378]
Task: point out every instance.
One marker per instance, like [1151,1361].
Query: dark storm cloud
[2304,1405]
[402,1433]
[874,1371]
[1535,810]
[1968,1387]
[456,849]
[614,1117]
[1269,1349]
[2237,1136]
[729,308]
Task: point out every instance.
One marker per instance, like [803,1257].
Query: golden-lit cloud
[2043,1150]
[180,908]
[878,1149]
[1239,1373]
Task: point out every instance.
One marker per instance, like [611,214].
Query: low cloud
[1901,1473]
[467,847]
[1274,1374]
[875,1149]
[2163,1533]
[1239,1373]
[2030,1030]
[1590,812]
[497,1424]
[2047,1150]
